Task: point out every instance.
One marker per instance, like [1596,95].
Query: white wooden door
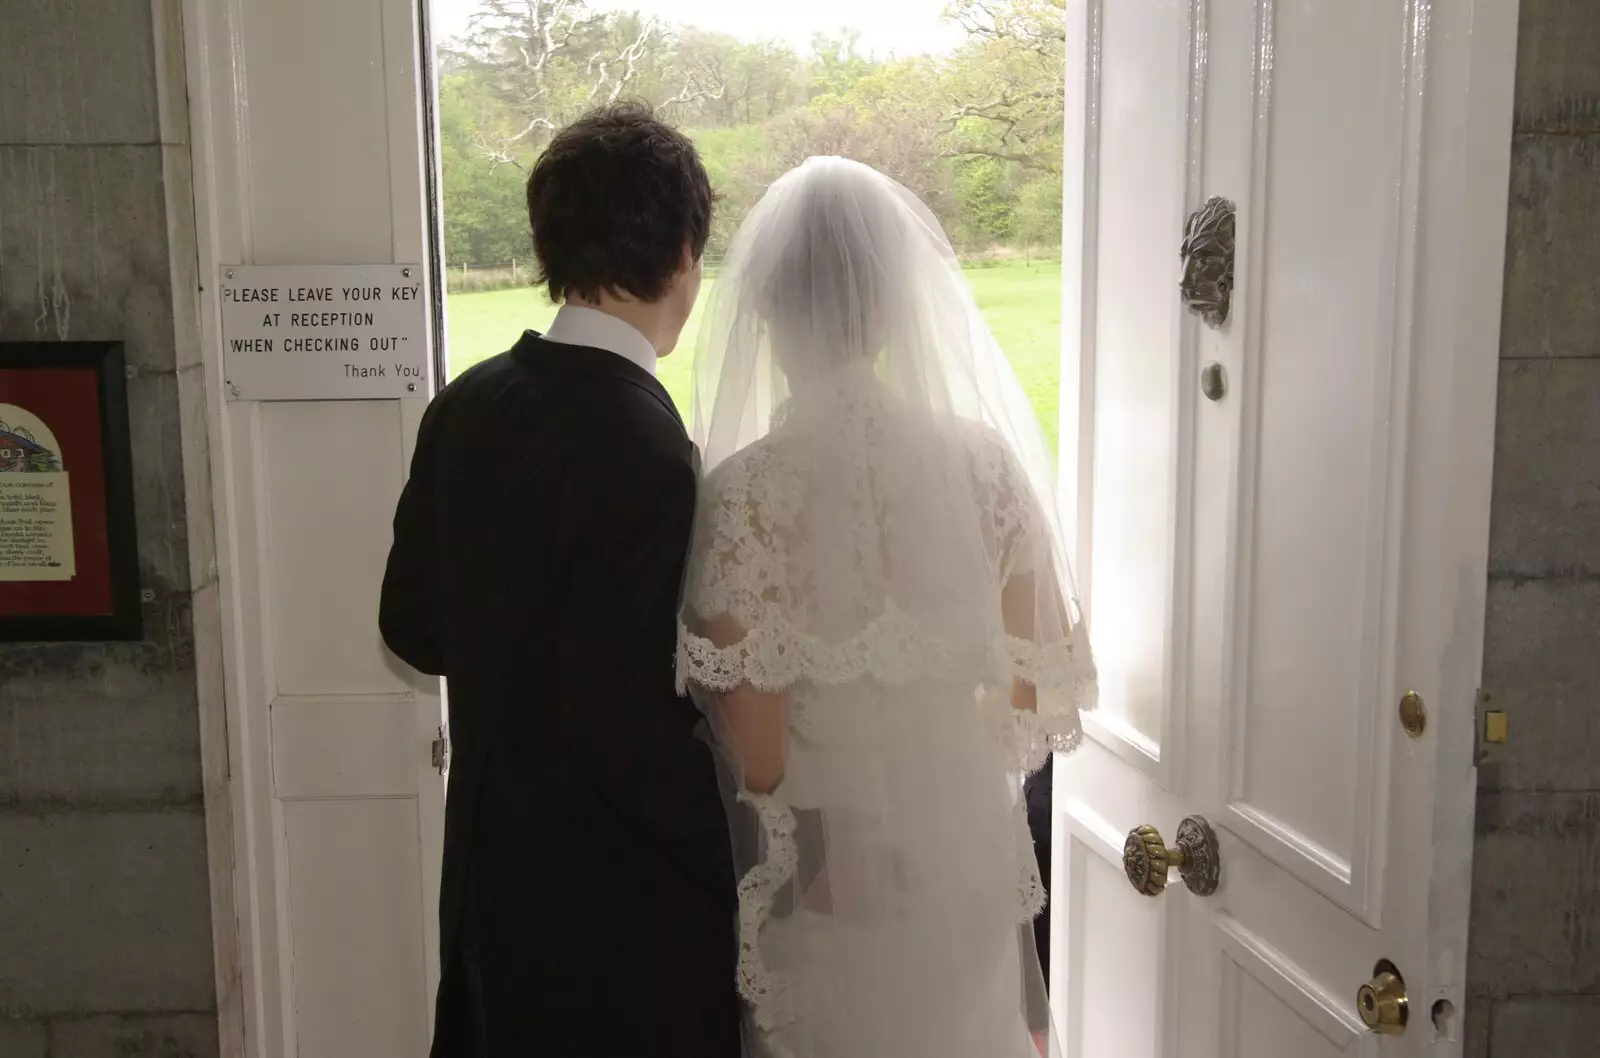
[1268,573]
[308,125]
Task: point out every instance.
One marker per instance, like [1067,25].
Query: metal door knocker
[1207,254]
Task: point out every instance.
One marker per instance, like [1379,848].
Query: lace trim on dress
[1065,676]
[1037,738]
[774,655]
[893,648]
[1031,895]
[767,993]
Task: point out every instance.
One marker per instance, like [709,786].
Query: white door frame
[228,122]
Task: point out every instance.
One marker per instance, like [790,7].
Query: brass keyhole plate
[1413,714]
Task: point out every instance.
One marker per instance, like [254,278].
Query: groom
[587,905]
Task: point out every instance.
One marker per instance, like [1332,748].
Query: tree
[836,64]
[546,61]
[1039,25]
[741,164]
[773,80]
[988,200]
[976,135]
[1008,83]
[1038,215]
[888,118]
[711,80]
[485,219]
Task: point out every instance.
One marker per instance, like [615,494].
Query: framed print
[69,560]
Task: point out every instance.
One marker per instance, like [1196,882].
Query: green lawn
[1022,303]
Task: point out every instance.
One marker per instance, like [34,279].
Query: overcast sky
[904,27]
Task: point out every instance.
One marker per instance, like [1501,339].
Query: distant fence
[478,278]
[510,275]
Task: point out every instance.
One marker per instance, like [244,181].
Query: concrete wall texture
[106,945]
[1534,972]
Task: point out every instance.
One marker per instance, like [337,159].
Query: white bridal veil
[878,600]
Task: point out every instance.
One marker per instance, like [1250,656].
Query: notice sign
[35,501]
[69,553]
[324,332]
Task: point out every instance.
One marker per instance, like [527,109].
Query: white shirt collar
[576,325]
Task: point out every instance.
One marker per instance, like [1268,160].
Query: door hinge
[441,752]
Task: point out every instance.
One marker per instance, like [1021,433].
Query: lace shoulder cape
[749,567]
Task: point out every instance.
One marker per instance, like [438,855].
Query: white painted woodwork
[1266,575]
[308,132]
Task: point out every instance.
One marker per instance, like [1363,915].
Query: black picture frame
[125,622]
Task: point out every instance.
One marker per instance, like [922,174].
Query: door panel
[1271,1006]
[356,803]
[324,62]
[1122,934]
[1242,549]
[360,983]
[1318,344]
[311,740]
[1144,96]
[327,551]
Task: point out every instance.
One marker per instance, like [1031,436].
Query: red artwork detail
[68,401]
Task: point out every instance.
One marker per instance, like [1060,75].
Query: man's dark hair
[613,201]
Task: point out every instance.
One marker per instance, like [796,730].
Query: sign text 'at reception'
[324,332]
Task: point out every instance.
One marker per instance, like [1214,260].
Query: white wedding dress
[876,530]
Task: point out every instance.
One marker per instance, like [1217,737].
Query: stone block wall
[106,939]
[1534,972]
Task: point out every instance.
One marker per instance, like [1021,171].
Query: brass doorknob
[1382,1001]
[1146,859]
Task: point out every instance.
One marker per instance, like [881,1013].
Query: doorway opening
[962,102]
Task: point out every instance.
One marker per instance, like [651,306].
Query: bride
[878,623]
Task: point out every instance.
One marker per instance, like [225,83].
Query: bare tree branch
[1036,24]
[600,65]
[1026,161]
[546,60]
[1008,105]
[693,92]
